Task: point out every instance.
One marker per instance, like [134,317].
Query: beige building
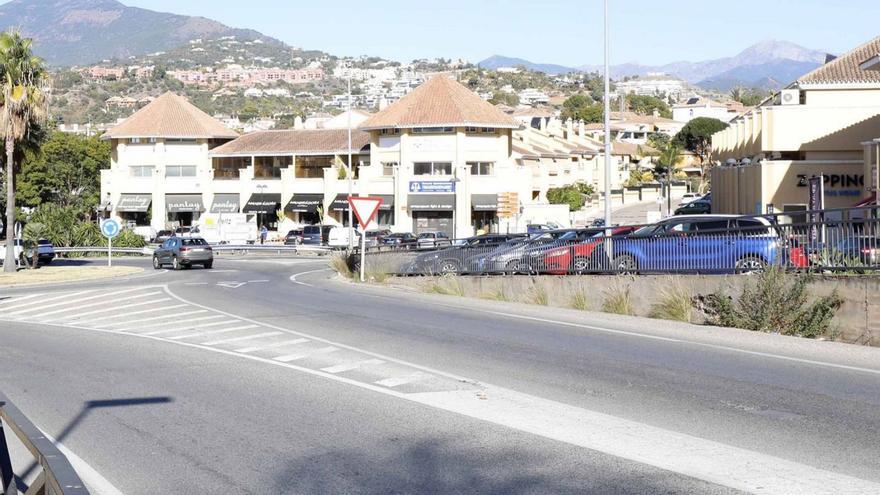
[821,125]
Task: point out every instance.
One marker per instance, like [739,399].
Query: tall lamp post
[349,174]
[607,125]
[262,189]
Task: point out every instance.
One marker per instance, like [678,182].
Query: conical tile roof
[170,116]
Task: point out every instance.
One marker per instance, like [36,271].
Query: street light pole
[607,125]
[350,179]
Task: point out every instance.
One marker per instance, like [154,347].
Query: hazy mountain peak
[771,49]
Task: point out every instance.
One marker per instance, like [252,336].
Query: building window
[433,130]
[229,168]
[312,167]
[269,167]
[480,130]
[179,141]
[141,171]
[432,168]
[180,171]
[390,132]
[388,169]
[482,168]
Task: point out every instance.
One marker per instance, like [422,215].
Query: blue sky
[567,32]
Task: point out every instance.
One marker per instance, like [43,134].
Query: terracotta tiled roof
[440,101]
[312,141]
[170,116]
[532,112]
[845,69]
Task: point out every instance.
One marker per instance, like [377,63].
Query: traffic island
[64,274]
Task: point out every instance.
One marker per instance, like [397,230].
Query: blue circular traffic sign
[110,228]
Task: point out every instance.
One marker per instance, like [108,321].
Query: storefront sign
[484,202]
[226,203]
[431,202]
[838,184]
[139,203]
[178,203]
[263,203]
[816,202]
[436,187]
[340,203]
[305,203]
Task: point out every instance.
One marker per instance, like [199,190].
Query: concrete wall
[858,321]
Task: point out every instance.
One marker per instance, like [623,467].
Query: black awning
[431,202]
[484,202]
[305,203]
[387,202]
[226,203]
[181,203]
[134,203]
[263,203]
[340,203]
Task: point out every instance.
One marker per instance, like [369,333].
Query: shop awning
[431,202]
[340,203]
[226,203]
[263,203]
[305,203]
[139,203]
[387,201]
[484,202]
[182,203]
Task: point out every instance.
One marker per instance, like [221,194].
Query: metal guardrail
[828,240]
[223,248]
[97,249]
[57,476]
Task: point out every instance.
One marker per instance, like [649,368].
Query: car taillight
[184,249]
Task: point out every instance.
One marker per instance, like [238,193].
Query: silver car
[183,252]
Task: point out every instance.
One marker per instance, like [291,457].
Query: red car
[576,258]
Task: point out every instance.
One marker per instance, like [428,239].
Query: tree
[66,171]
[696,137]
[23,106]
[504,98]
[668,157]
[748,97]
[645,105]
[582,107]
[570,195]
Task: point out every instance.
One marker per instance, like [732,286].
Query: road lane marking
[342,368]
[22,298]
[403,380]
[240,339]
[306,354]
[293,278]
[62,296]
[77,301]
[272,346]
[212,332]
[153,310]
[107,306]
[179,323]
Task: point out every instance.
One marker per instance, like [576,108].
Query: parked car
[538,228]
[162,236]
[182,231]
[689,198]
[454,259]
[294,237]
[399,239]
[698,207]
[45,252]
[183,252]
[374,237]
[433,240]
[340,237]
[861,250]
[526,255]
[700,243]
[145,231]
[316,235]
[578,257]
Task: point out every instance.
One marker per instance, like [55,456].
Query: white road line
[93,480]
[63,296]
[403,380]
[113,307]
[293,278]
[341,368]
[305,354]
[99,303]
[180,322]
[196,283]
[152,310]
[272,346]
[257,281]
[240,339]
[77,301]
[17,299]
[212,332]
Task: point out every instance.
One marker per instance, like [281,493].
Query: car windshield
[194,242]
[645,231]
[426,236]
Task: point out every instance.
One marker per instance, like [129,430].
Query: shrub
[775,302]
[448,285]
[579,300]
[339,262]
[497,295]
[539,295]
[618,301]
[676,303]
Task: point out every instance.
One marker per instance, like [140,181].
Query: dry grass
[579,300]
[448,286]
[60,274]
[339,262]
[676,303]
[539,295]
[496,295]
[618,300]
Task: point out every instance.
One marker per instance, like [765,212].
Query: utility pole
[607,124]
[350,179]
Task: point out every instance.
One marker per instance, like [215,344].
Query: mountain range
[768,64]
[75,32]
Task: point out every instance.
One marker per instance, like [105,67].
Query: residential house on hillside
[652,84]
[698,106]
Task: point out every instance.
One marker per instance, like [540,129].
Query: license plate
[199,250]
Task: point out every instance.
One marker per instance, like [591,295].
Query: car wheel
[516,266]
[750,264]
[625,264]
[209,265]
[175,263]
[580,265]
[156,264]
[450,267]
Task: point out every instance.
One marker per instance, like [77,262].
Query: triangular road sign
[365,208]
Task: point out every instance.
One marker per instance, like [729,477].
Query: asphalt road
[241,380]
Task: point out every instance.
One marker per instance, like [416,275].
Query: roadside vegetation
[675,303]
[618,300]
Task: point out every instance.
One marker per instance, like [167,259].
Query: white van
[339,237]
[227,228]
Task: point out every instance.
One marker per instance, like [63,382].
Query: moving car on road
[183,252]
[294,237]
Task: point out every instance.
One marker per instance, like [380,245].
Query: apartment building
[697,106]
[823,125]
[653,84]
[439,158]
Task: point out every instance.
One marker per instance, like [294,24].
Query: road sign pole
[363,254]
[109,252]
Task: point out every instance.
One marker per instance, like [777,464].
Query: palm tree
[668,157]
[23,107]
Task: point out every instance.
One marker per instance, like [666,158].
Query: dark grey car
[183,252]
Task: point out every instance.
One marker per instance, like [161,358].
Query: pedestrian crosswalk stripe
[43,302]
[341,368]
[272,346]
[403,380]
[78,301]
[239,339]
[295,357]
[106,309]
[178,323]
[118,321]
[213,332]
[16,299]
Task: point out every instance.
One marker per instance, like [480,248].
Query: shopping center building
[440,158]
[824,124]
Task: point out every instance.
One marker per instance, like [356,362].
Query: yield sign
[365,208]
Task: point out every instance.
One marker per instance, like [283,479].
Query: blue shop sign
[447,187]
